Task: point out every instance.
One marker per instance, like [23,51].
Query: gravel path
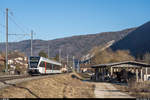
[107,90]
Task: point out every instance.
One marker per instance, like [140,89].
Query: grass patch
[58,86]
[82,76]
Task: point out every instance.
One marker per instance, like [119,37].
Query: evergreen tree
[43,54]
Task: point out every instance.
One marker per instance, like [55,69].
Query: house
[10,61]
[19,58]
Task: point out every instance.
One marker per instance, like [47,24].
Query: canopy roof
[140,64]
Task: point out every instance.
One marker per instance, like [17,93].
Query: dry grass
[139,90]
[58,86]
[84,76]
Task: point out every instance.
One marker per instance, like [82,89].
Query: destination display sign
[34,59]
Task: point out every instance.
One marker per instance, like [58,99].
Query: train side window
[49,66]
[42,64]
[52,66]
[56,67]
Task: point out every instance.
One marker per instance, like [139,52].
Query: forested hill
[75,45]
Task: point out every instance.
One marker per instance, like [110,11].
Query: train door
[45,67]
[52,68]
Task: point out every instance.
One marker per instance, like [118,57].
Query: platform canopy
[122,64]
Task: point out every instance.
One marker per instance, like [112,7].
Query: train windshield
[34,62]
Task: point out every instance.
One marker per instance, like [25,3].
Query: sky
[52,19]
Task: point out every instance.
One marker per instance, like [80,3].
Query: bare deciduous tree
[109,56]
[146,58]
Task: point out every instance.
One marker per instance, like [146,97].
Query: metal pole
[31,42]
[67,63]
[67,59]
[73,63]
[137,78]
[60,55]
[48,50]
[141,74]
[78,67]
[146,73]
[6,70]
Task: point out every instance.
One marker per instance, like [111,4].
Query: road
[107,90]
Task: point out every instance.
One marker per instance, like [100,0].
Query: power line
[8,17]
[17,25]
[19,34]
[2,25]
[14,17]
[2,12]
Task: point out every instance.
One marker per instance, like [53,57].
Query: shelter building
[141,70]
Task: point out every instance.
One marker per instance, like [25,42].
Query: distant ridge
[74,46]
[137,42]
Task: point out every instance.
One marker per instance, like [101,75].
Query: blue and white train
[41,65]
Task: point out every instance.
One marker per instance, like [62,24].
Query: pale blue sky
[51,19]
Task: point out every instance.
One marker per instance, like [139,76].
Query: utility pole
[48,51]
[6,70]
[67,63]
[67,59]
[60,55]
[78,67]
[73,63]
[31,42]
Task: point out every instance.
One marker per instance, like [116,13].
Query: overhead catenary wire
[18,22]
[24,30]
[6,13]
[20,27]
[3,26]
[11,19]
[25,33]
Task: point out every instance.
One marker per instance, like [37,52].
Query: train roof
[48,60]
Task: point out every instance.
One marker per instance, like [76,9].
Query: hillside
[96,49]
[75,45]
[137,42]
[55,86]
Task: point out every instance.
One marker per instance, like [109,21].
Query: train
[40,65]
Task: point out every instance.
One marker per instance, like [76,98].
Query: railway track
[13,77]
[8,78]
[13,80]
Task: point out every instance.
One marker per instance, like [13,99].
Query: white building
[19,58]
[10,61]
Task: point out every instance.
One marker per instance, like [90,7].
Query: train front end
[33,68]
